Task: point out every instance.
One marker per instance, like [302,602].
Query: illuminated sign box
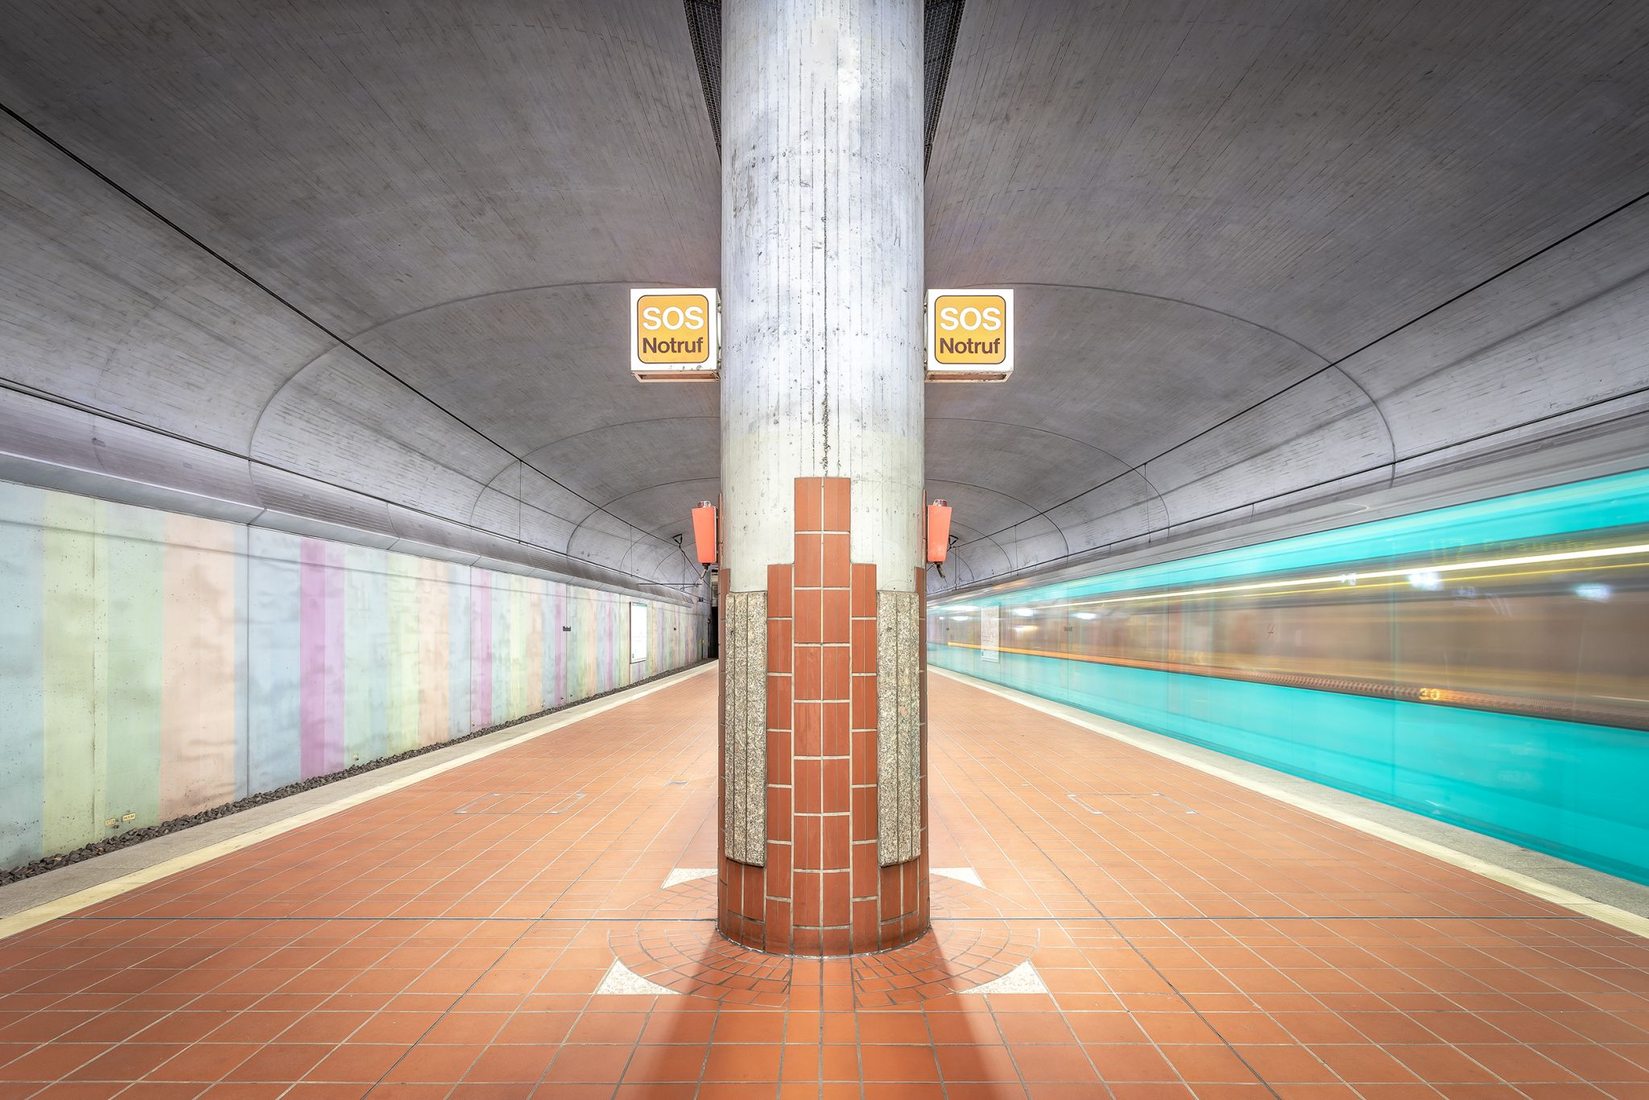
[969,335]
[674,334]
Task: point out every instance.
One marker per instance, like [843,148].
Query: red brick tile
[203,1062]
[755,1063]
[809,562]
[608,1027]
[863,709]
[599,1064]
[809,503]
[780,639]
[126,1062]
[749,1027]
[665,1026]
[652,1064]
[1123,1062]
[837,740]
[903,1090]
[838,894]
[838,497]
[809,620]
[836,790]
[809,790]
[835,677]
[833,617]
[778,924]
[964,1062]
[864,921]
[810,729]
[898,1063]
[779,813]
[363,1062]
[754,903]
[837,563]
[864,869]
[809,675]
[1286,1064]
[864,592]
[1212,1063]
[838,832]
[511,1063]
[779,703]
[807,899]
[778,869]
[778,591]
[779,765]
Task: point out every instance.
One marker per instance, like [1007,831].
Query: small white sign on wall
[990,633]
[638,632]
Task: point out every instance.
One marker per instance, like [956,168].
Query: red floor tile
[405,950]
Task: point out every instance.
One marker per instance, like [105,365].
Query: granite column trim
[899,733]
[744,734]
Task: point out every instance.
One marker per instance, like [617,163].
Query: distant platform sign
[970,335]
[673,334]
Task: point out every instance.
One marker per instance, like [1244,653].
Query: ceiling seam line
[1379,339]
[91,410]
[1010,496]
[1161,500]
[257,425]
[1353,473]
[679,481]
[254,281]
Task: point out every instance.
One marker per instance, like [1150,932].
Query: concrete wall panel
[153,665]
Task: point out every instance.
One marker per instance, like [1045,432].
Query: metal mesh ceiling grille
[943,20]
[704,27]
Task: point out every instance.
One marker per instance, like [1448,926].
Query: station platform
[539,921]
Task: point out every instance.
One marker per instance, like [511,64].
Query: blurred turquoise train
[1486,663]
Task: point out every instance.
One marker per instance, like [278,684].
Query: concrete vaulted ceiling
[367,264]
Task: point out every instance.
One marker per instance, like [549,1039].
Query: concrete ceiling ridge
[1014,426]
[156,186]
[377,258]
[431,530]
[1390,464]
[346,345]
[619,424]
[339,342]
[1576,453]
[1168,298]
[501,292]
[978,538]
[1034,513]
[1349,485]
[685,519]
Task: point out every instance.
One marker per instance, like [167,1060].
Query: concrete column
[824,801]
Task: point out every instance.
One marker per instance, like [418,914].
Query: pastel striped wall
[154,665]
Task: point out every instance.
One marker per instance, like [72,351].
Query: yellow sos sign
[970,335]
[673,334]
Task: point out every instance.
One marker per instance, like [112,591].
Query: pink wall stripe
[481,649]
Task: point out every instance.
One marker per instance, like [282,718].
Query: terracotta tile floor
[1194,939]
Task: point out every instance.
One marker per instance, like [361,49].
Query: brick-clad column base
[822,890]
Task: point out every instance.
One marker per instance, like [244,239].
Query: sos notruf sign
[970,335]
[673,333]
